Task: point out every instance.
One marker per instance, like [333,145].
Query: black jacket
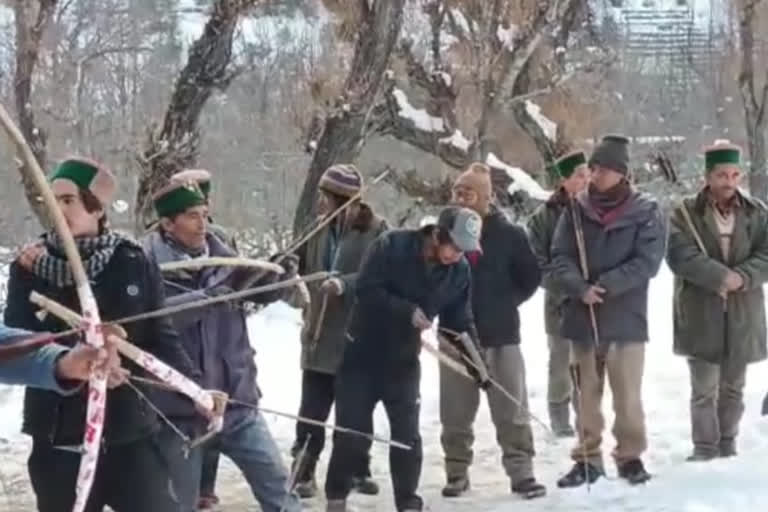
[622,257]
[129,285]
[394,279]
[503,277]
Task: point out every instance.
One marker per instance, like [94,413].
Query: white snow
[458,140]
[548,126]
[446,78]
[461,21]
[120,206]
[507,36]
[720,486]
[521,180]
[420,118]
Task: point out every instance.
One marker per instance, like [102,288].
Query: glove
[289,262]
[333,286]
[420,320]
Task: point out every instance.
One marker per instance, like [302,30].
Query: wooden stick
[320,318]
[216,261]
[582,249]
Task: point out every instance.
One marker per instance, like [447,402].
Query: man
[408,277]
[605,312]
[202,177]
[203,180]
[718,251]
[573,174]
[504,276]
[339,247]
[216,338]
[52,366]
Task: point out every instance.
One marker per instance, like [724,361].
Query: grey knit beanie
[612,152]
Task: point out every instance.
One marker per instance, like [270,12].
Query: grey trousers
[559,385]
[717,404]
[460,400]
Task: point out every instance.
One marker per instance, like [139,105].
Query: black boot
[306,485]
[634,472]
[580,473]
[365,485]
[727,447]
[456,486]
[529,489]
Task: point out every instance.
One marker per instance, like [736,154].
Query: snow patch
[428,221]
[548,126]
[418,116]
[521,180]
[446,78]
[120,206]
[457,140]
[507,36]
[461,21]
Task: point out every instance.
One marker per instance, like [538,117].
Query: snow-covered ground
[722,485]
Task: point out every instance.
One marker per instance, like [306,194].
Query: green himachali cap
[89,175]
[176,197]
[567,164]
[722,152]
[199,176]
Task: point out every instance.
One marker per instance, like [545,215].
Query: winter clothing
[459,402]
[249,444]
[130,477]
[381,362]
[176,197]
[127,285]
[612,152]
[566,165]
[504,277]
[464,227]
[37,369]
[342,180]
[96,252]
[624,249]
[624,367]
[702,330]
[199,176]
[88,175]
[722,152]
[559,386]
[477,178]
[351,240]
[720,344]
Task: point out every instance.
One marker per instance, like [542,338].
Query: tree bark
[345,126]
[31,20]
[175,146]
[754,106]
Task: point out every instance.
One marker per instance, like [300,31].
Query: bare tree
[175,146]
[754,99]
[31,20]
[345,125]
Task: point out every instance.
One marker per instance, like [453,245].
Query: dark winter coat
[702,329]
[216,336]
[622,257]
[504,276]
[393,281]
[130,284]
[541,228]
[324,353]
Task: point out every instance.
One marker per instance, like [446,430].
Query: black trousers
[318,392]
[358,390]
[129,478]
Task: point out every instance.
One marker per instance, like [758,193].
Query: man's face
[604,178]
[723,180]
[80,221]
[189,227]
[576,182]
[465,197]
[448,254]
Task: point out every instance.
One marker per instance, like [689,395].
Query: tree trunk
[345,126]
[754,106]
[175,146]
[31,20]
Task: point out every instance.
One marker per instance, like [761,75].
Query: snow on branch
[547,126]
[457,140]
[507,36]
[418,116]
[521,180]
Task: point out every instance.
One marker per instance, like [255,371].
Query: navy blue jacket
[395,279]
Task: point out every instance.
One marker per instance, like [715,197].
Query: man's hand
[29,255]
[220,401]
[593,295]
[733,281]
[420,320]
[289,262]
[333,286]
[78,363]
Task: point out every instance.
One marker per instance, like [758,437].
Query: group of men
[593,246]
